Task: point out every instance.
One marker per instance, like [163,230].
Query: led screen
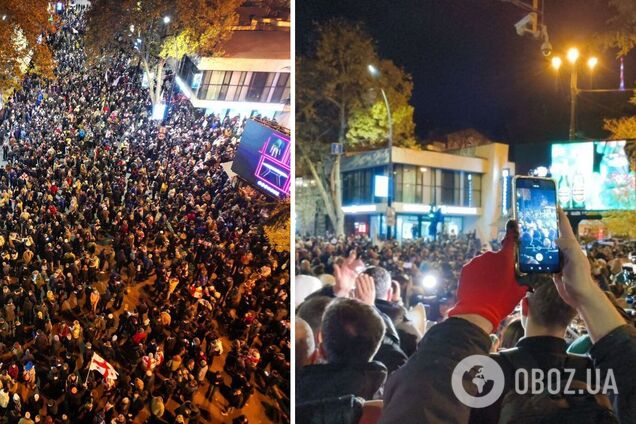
[593,175]
[263,159]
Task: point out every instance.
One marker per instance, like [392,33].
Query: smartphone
[535,210]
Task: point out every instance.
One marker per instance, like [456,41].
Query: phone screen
[536,214]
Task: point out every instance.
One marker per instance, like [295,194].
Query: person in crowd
[351,334]
[421,391]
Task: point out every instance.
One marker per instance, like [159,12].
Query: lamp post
[572,56]
[375,73]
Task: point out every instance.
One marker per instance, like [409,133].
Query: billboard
[263,159]
[593,175]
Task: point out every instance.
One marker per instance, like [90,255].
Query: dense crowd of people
[125,238]
[397,305]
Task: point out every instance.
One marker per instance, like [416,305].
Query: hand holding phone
[535,210]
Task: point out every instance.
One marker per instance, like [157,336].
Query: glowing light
[166,20]
[359,208]
[429,281]
[158,111]
[592,62]
[556,62]
[373,70]
[573,55]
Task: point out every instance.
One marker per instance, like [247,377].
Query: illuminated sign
[381,186]
[263,159]
[593,175]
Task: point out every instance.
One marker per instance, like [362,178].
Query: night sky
[471,69]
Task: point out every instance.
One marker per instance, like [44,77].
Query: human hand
[574,283]
[345,275]
[488,289]
[365,289]
[577,288]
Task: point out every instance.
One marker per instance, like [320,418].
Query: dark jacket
[547,353]
[421,392]
[342,410]
[390,352]
[323,381]
[397,313]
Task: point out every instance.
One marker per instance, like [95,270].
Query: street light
[375,73]
[166,20]
[573,55]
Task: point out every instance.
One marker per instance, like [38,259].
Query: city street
[137,282]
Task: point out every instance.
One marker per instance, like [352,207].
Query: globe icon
[477,382]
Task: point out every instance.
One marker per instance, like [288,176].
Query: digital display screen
[593,176]
[263,159]
[538,229]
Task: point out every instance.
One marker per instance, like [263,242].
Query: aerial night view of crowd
[136,277]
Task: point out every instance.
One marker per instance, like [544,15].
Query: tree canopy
[190,27]
[24,25]
[339,101]
[622,37]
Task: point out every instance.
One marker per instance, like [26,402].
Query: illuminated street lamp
[375,73]
[572,56]
[166,20]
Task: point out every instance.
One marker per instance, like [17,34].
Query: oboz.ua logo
[478,381]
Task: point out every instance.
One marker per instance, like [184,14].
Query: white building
[252,77]
[470,187]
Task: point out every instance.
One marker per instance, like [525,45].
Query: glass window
[281,90]
[257,86]
[471,190]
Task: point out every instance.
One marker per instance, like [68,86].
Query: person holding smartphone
[421,391]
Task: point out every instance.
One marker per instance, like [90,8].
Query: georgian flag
[100,365]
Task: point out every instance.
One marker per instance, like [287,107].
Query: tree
[192,27]
[24,25]
[621,223]
[622,37]
[625,129]
[335,104]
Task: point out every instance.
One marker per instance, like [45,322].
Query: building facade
[252,77]
[467,190]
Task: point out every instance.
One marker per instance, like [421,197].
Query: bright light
[132,28]
[4,17]
[158,111]
[541,171]
[556,62]
[59,6]
[359,208]
[573,55]
[429,281]
[423,169]
[166,20]
[373,70]
[592,62]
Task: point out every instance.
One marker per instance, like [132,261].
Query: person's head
[312,310]
[382,279]
[548,314]
[511,334]
[351,332]
[305,345]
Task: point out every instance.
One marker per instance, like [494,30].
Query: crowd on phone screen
[345,369]
[135,245]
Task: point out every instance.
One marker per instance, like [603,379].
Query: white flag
[100,365]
